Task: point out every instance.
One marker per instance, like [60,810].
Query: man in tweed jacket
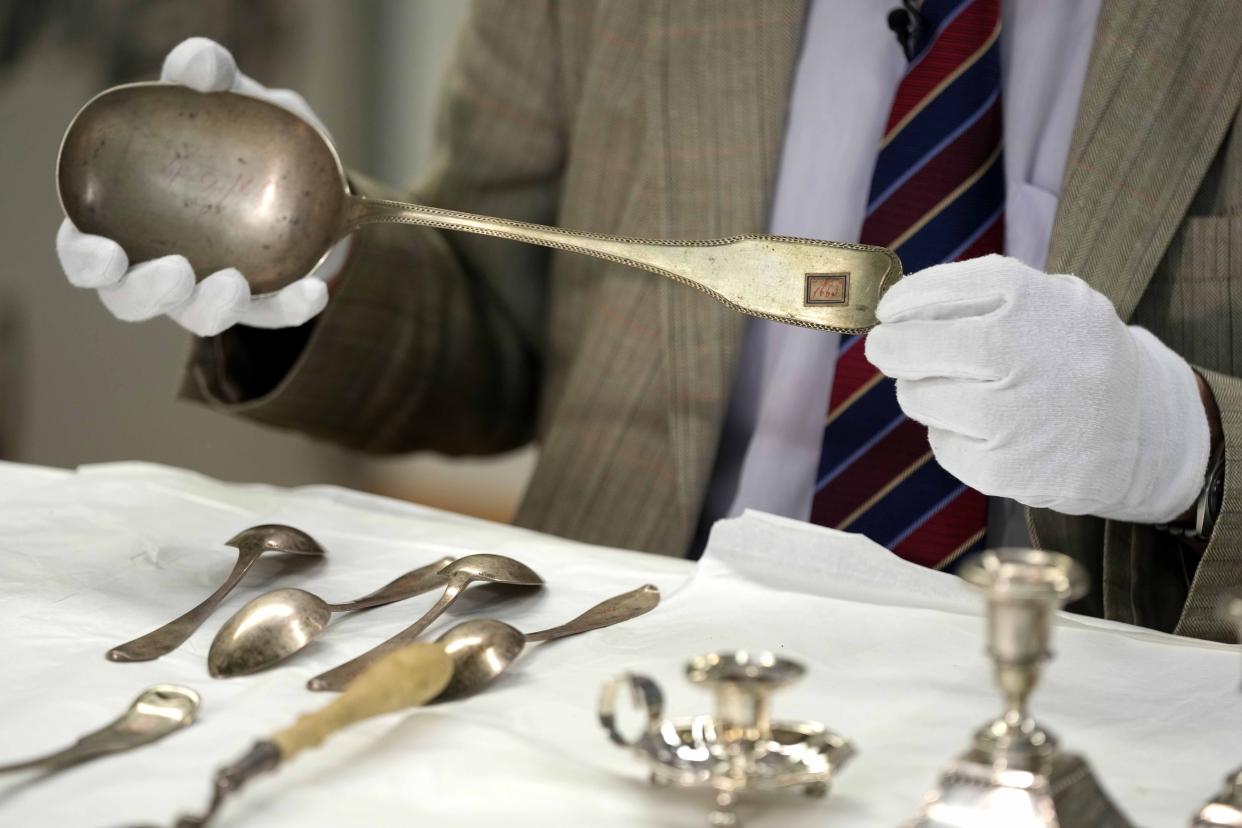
[665,119]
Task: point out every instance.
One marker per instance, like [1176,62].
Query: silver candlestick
[1225,811]
[1013,773]
[739,748]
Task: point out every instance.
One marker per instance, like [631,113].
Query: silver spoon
[231,181]
[277,624]
[460,573]
[479,650]
[250,544]
[494,645]
[157,712]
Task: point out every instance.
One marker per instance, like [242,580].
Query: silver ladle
[461,573]
[277,624]
[228,180]
[250,544]
[157,712]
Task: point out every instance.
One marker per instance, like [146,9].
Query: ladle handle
[815,284]
[169,637]
[339,677]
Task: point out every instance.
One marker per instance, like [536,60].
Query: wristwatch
[1207,507]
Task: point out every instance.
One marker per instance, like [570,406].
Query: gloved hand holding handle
[167,285]
[1032,388]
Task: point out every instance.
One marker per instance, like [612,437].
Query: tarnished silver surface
[480,651]
[971,794]
[228,180]
[610,611]
[460,573]
[743,683]
[738,748]
[1225,809]
[157,712]
[277,624]
[1013,773]
[1024,588]
[497,638]
[250,544]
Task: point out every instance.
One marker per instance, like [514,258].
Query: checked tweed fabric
[937,195]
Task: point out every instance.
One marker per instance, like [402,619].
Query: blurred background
[76,385]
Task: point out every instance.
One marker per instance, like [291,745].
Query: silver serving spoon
[461,573]
[411,676]
[277,624]
[250,544]
[501,644]
[157,712]
[228,180]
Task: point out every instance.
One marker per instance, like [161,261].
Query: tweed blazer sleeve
[1151,215]
[431,340]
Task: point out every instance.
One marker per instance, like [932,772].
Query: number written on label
[827,288]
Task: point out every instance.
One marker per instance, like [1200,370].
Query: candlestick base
[970,794]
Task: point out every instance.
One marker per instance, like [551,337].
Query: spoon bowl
[481,650]
[228,180]
[159,710]
[498,569]
[487,647]
[270,628]
[278,623]
[276,537]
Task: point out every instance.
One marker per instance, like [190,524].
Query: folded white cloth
[167,285]
[1034,389]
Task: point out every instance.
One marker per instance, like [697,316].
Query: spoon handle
[112,738]
[336,679]
[414,582]
[39,761]
[614,610]
[157,712]
[831,286]
[169,637]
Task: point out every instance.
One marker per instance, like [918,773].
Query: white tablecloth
[894,655]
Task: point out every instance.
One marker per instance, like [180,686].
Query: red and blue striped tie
[937,195]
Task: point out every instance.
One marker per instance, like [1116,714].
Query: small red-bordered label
[827,288]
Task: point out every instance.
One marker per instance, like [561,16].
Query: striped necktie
[937,195]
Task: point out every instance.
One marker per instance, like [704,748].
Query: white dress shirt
[847,76]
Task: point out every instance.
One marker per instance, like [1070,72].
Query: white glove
[166,285]
[1033,388]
